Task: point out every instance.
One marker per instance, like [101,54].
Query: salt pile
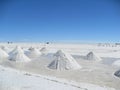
[3,54]
[15,50]
[117,63]
[117,73]
[92,56]
[63,61]
[30,48]
[6,49]
[43,51]
[18,55]
[33,53]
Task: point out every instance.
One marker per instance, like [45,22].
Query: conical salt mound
[93,56]
[33,53]
[18,55]
[3,54]
[30,48]
[43,50]
[117,63]
[6,49]
[117,73]
[63,61]
[15,50]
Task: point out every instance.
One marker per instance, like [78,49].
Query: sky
[60,20]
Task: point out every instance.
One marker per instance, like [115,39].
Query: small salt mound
[30,48]
[3,54]
[93,56]
[18,55]
[43,50]
[33,52]
[6,49]
[116,63]
[117,73]
[63,61]
[15,50]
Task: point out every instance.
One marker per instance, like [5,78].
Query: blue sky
[60,20]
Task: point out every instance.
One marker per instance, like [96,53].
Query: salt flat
[94,75]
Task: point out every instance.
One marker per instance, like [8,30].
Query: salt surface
[117,63]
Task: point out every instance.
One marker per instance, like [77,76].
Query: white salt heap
[18,55]
[15,50]
[63,61]
[33,53]
[30,48]
[3,54]
[43,50]
[117,63]
[117,73]
[93,56]
[6,49]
